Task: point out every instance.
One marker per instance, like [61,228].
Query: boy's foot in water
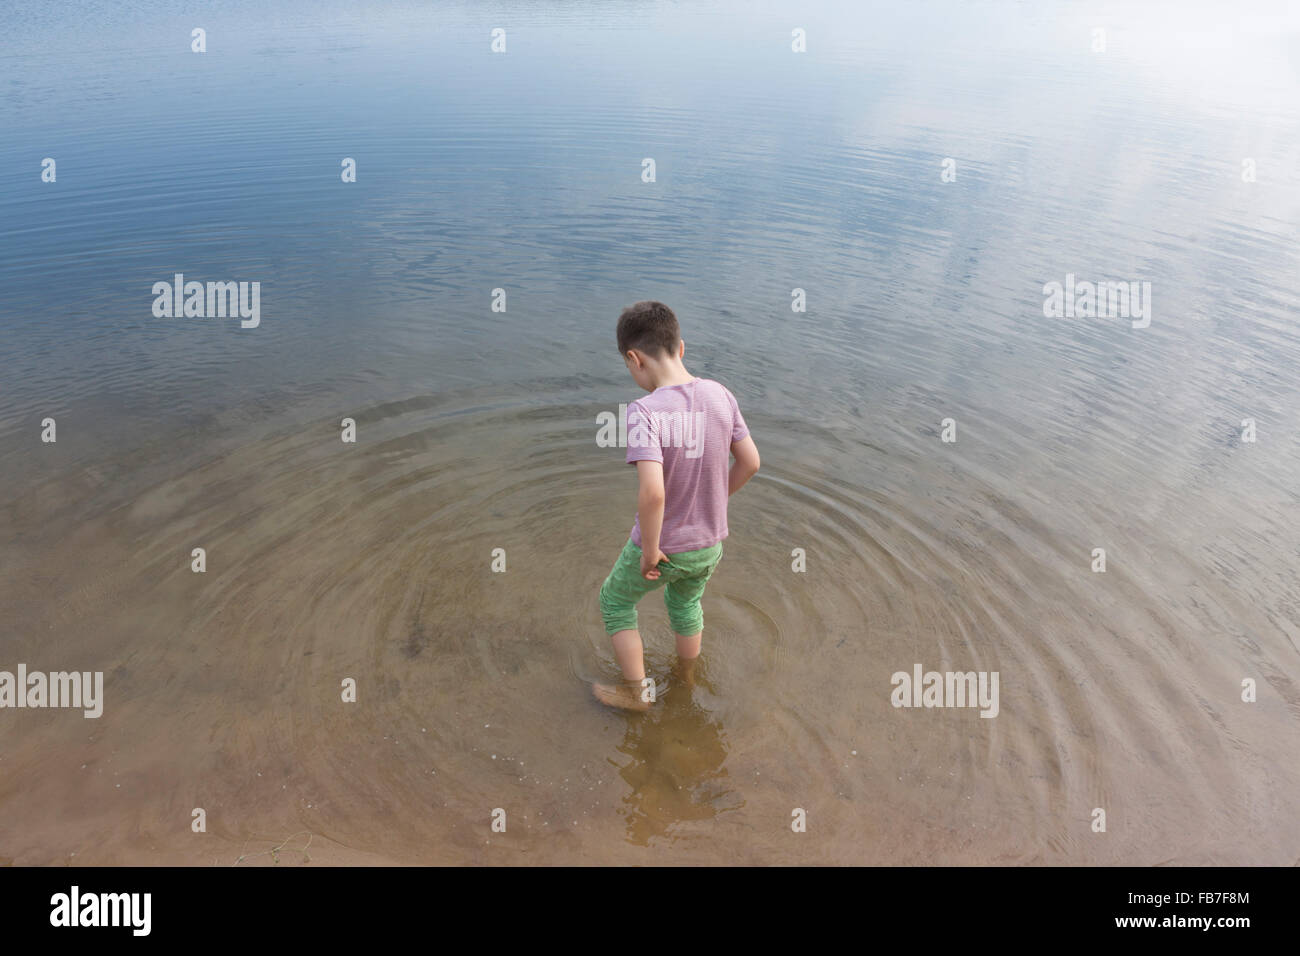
[626,696]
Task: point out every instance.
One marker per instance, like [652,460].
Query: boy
[678,438]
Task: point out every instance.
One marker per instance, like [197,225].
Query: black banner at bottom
[335,905]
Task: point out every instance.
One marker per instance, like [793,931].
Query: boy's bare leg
[631,661]
[629,653]
[688,652]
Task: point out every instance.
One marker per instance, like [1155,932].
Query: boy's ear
[681,348]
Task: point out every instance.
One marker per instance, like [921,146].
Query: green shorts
[682,577]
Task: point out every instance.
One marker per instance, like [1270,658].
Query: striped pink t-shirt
[690,429]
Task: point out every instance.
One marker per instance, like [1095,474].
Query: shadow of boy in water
[676,751]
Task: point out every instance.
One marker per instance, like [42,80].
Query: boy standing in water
[678,438]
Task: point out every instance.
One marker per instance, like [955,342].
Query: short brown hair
[649,327]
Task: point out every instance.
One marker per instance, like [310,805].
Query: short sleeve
[739,430]
[642,435]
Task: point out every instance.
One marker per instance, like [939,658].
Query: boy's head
[648,335]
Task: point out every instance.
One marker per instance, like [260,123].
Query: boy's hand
[650,565]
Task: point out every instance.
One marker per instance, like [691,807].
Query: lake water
[1165,150]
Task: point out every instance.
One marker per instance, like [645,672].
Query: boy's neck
[671,372]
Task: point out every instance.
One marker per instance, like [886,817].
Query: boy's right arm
[745,465]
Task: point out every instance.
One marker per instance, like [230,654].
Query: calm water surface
[775,171]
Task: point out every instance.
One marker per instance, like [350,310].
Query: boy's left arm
[650,515]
